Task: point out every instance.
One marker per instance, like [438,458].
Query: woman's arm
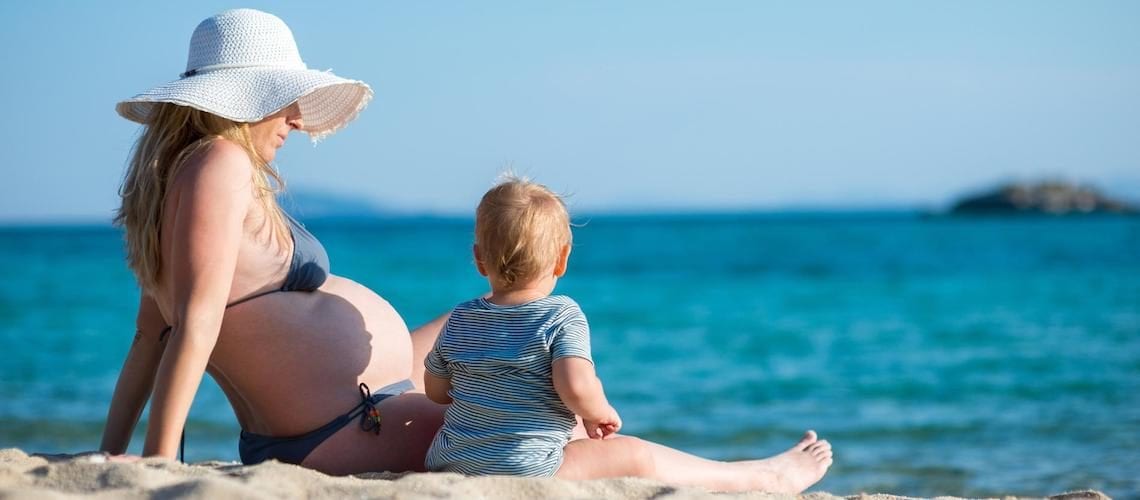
[136,378]
[214,194]
[579,387]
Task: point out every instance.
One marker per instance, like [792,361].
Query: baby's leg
[622,456]
[617,456]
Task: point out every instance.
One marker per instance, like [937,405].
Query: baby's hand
[603,427]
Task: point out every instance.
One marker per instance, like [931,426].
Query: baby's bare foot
[794,470]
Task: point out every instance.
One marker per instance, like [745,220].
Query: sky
[622,106]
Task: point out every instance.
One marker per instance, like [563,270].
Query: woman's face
[270,133]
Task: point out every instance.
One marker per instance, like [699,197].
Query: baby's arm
[437,388]
[579,387]
[437,374]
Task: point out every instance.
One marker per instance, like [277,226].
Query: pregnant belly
[290,362]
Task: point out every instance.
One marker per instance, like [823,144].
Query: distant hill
[1047,197]
[324,205]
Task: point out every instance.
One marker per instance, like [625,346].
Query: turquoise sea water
[940,356]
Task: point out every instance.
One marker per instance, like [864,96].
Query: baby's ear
[563,259]
[478,260]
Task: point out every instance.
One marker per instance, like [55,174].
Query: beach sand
[64,476]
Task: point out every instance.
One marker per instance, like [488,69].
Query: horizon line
[396,214]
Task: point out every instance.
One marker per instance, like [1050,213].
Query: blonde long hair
[172,134]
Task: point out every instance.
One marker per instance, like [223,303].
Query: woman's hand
[124,459]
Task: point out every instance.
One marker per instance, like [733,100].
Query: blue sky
[624,105]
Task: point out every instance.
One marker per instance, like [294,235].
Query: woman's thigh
[409,423]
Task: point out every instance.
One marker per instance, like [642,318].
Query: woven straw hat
[244,66]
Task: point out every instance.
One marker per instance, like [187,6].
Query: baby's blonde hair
[520,229]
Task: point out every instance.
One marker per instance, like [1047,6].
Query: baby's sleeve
[433,362]
[572,337]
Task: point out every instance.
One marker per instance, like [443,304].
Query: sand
[73,476]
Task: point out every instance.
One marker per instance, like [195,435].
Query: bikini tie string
[369,415]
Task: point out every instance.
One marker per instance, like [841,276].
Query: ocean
[940,356]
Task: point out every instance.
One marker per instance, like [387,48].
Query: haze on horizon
[625,106]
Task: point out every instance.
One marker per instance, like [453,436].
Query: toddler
[515,367]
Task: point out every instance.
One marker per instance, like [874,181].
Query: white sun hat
[244,66]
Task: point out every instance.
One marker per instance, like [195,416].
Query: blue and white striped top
[505,417]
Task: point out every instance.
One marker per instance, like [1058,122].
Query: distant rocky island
[1046,198]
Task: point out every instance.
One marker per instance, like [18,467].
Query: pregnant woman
[320,371]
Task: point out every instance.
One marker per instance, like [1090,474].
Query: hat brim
[328,102]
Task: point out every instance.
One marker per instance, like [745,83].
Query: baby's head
[522,233]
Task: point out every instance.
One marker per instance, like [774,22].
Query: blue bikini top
[308,269]
[310,266]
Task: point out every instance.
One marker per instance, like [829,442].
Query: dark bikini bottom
[256,448]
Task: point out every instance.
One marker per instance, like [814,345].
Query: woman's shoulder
[215,162]
[219,156]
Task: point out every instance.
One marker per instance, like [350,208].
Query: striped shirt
[505,416]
